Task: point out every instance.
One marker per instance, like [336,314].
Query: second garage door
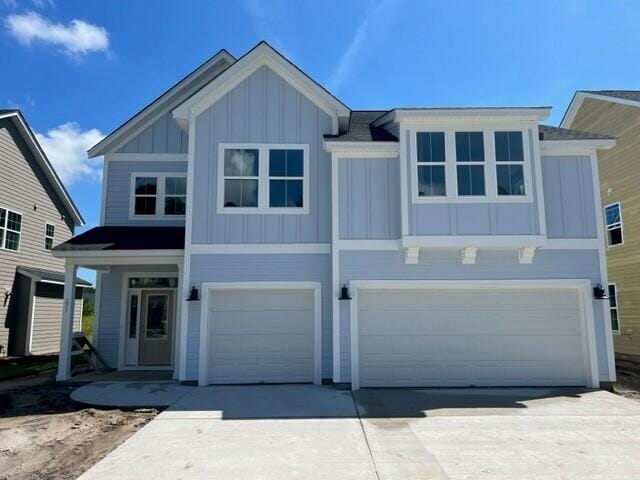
[261,336]
[463,337]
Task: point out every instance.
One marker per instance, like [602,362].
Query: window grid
[159,198]
[613,308]
[175,196]
[49,236]
[470,174]
[431,164]
[509,151]
[10,228]
[613,223]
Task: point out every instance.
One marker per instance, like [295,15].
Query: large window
[158,195]
[613,219]
[509,163]
[613,308]
[10,228]
[263,179]
[49,235]
[470,163]
[431,164]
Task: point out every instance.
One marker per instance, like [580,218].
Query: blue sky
[79,68]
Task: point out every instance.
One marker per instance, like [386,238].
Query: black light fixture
[344,293]
[193,295]
[599,293]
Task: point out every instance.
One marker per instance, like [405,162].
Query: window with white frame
[158,195]
[613,219]
[261,178]
[431,159]
[613,308]
[49,235]
[10,228]
[509,151]
[470,163]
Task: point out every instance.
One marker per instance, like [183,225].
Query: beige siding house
[617,113]
[36,213]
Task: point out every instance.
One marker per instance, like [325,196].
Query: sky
[79,68]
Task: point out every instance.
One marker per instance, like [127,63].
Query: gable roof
[361,129]
[547,132]
[264,54]
[51,175]
[633,95]
[623,97]
[109,237]
[175,95]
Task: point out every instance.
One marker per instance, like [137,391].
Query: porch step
[82,346]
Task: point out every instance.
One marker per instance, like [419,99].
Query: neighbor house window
[431,164]
[470,163]
[613,308]
[10,228]
[158,195]
[509,149]
[613,219]
[49,236]
[263,178]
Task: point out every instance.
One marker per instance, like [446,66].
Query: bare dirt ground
[45,435]
[628,384]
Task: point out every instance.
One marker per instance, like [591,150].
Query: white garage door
[470,337]
[261,336]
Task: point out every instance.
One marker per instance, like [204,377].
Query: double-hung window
[431,164]
[158,195]
[613,219]
[470,163]
[261,178]
[10,228]
[509,163]
[613,308]
[49,235]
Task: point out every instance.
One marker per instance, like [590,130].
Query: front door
[156,328]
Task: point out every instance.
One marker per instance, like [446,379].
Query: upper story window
[613,219]
[509,163]
[470,163]
[431,164]
[10,228]
[49,235]
[261,178]
[158,195]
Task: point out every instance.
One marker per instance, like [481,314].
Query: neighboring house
[617,113]
[36,213]
[255,229]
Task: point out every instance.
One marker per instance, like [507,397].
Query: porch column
[66,331]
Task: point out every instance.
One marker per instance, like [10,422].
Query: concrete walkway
[130,394]
[310,432]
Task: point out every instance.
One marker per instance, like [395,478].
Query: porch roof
[114,238]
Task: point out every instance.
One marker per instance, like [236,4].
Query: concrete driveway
[310,432]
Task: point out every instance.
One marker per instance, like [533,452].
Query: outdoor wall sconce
[193,295]
[599,293]
[7,296]
[344,293]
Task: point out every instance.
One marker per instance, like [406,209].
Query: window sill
[472,199]
[157,217]
[263,211]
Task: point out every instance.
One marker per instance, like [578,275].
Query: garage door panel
[463,337]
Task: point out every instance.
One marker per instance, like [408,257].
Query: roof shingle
[126,238]
[547,132]
[361,130]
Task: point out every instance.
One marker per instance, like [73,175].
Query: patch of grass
[87,325]
[24,366]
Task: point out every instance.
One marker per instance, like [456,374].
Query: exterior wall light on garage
[344,293]
[599,293]
[193,295]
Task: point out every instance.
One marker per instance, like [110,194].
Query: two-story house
[255,229]
[36,213]
[617,113]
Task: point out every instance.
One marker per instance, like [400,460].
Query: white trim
[31,316]
[481,114]
[160,195]
[582,286]
[96,309]
[208,287]
[468,256]
[146,157]
[571,244]
[526,255]
[152,255]
[103,195]
[578,99]
[392,244]
[52,237]
[335,267]
[411,255]
[534,142]
[6,229]
[404,181]
[574,147]
[479,241]
[263,179]
[259,248]
[616,308]
[38,278]
[362,149]
[614,225]
[66,327]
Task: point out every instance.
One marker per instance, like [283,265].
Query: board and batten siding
[490,265]
[25,189]
[162,136]
[118,186]
[486,218]
[263,108]
[369,198]
[569,197]
[260,268]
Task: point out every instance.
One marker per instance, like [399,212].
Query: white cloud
[66,147]
[377,20]
[77,38]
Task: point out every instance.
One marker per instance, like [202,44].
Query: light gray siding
[110,308]
[261,109]
[497,218]
[25,189]
[569,197]
[118,197]
[491,265]
[162,136]
[260,268]
[369,198]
